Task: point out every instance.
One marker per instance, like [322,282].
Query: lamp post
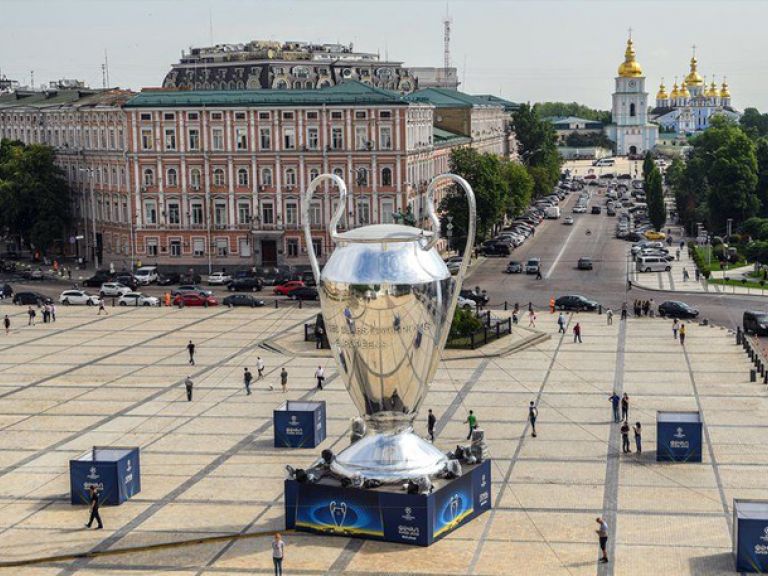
[94,246]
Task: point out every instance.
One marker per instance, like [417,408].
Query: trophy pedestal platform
[388,512]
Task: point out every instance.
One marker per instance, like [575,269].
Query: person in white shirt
[259,368]
[320,375]
[278,553]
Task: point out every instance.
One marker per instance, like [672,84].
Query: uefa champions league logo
[294,420]
[408,516]
[483,482]
[764,537]
[338,513]
[128,466]
[454,506]
[679,433]
[92,474]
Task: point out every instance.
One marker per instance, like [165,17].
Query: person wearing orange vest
[552,305]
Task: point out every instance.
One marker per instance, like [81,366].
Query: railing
[493,328]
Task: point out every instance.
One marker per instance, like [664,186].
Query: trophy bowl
[387,300]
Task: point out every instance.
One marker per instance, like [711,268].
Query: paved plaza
[209,467]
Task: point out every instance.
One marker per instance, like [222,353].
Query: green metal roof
[350,92]
[490,98]
[441,136]
[448,98]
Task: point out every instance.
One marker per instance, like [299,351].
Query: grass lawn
[714,266]
[751,285]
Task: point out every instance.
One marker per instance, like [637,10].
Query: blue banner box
[116,473]
[750,535]
[299,424]
[678,436]
[389,513]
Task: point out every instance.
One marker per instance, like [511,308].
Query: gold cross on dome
[630,32]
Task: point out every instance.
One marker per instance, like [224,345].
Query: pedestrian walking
[625,438]
[561,323]
[516,308]
[677,254]
[7,324]
[531,319]
[609,317]
[624,311]
[259,368]
[31,312]
[530,307]
[188,385]
[46,313]
[319,338]
[278,553]
[93,495]
[685,275]
[533,413]
[646,307]
[472,421]
[284,379]
[696,274]
[615,401]
[53,312]
[538,273]
[515,319]
[101,308]
[247,379]
[638,437]
[675,327]
[320,375]
[625,407]
[577,333]
[682,334]
[431,421]
[191,350]
[602,535]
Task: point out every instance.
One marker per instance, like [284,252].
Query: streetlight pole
[93,224]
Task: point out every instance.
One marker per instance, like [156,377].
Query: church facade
[631,131]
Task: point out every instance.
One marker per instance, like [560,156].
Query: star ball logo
[294,420]
[408,514]
[92,474]
[679,433]
[764,537]
[128,466]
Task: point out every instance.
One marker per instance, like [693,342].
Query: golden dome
[724,93]
[675,92]
[684,90]
[662,93]
[630,67]
[711,92]
[694,78]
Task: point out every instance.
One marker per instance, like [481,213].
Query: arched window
[149,177]
[290,177]
[266,176]
[242,177]
[632,109]
[361,177]
[171,177]
[218,176]
[339,172]
[194,178]
[281,84]
[386,176]
[313,173]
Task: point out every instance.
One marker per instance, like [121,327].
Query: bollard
[275,303]
[765,377]
[738,336]
[300,301]
[752,375]
[505,306]
[599,308]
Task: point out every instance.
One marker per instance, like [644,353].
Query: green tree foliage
[548,109]
[464,323]
[754,123]
[537,148]
[577,140]
[35,204]
[761,153]
[648,166]
[654,192]
[519,187]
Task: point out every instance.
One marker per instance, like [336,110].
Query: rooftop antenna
[464,73]
[447,39]
[32,78]
[210,25]
[106,67]
[103,75]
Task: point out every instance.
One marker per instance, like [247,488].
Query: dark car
[194,299]
[494,248]
[6,291]
[308,277]
[127,280]
[755,322]
[30,299]
[242,300]
[584,264]
[514,267]
[99,278]
[168,278]
[479,296]
[676,309]
[575,302]
[596,210]
[245,284]
[304,293]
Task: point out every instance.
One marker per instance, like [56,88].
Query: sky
[522,50]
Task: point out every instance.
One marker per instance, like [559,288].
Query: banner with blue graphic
[299,424]
[387,515]
[750,531]
[678,436]
[116,473]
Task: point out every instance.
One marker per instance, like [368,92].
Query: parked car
[284,288]
[653,235]
[184,288]
[579,209]
[78,297]
[242,300]
[575,302]
[533,266]
[6,291]
[514,267]
[304,293]
[454,264]
[568,220]
[137,299]
[245,284]
[479,296]
[99,277]
[755,322]
[127,280]
[677,309]
[466,303]
[584,263]
[31,299]
[146,275]
[495,248]
[168,278]
[596,210]
[113,289]
[219,279]
[195,299]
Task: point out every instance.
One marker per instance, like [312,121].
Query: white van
[552,212]
[652,264]
[604,162]
[146,275]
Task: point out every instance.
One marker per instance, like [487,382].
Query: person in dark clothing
[533,413]
[615,401]
[319,337]
[538,274]
[431,421]
[31,312]
[577,333]
[191,350]
[247,379]
[7,324]
[93,495]
[638,437]
[625,438]
[625,407]
[188,384]
[624,311]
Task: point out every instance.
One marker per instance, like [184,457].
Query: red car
[194,299]
[284,288]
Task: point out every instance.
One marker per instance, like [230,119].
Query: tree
[648,166]
[754,123]
[654,192]
[519,187]
[537,147]
[578,140]
[761,154]
[549,109]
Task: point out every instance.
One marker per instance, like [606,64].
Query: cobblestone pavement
[209,468]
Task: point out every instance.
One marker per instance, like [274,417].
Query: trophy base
[390,458]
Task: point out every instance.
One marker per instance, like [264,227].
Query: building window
[192,116]
[289,139]
[363,212]
[311,115]
[292,247]
[313,173]
[336,115]
[241,137]
[287,115]
[361,137]
[169,116]
[385,114]
[197,213]
[243,213]
[194,178]
[337,138]
[387,211]
[313,137]
[222,246]
[317,246]
[194,139]
[265,138]
[149,177]
[175,248]
[151,246]
[360,115]
[146,139]
[218,139]
[385,138]
[218,176]
[632,109]
[242,177]
[361,176]
[150,212]
[217,116]
[220,214]
[386,176]
[198,246]
[315,213]
[144,117]
[239,115]
[290,177]
[266,177]
[291,213]
[267,213]
[174,215]
[263,115]
[170,139]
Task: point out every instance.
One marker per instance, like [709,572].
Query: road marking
[559,254]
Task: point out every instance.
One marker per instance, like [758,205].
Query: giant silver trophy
[387,300]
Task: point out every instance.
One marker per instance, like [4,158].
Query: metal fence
[492,329]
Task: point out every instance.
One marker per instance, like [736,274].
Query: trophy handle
[436,222]
[334,221]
